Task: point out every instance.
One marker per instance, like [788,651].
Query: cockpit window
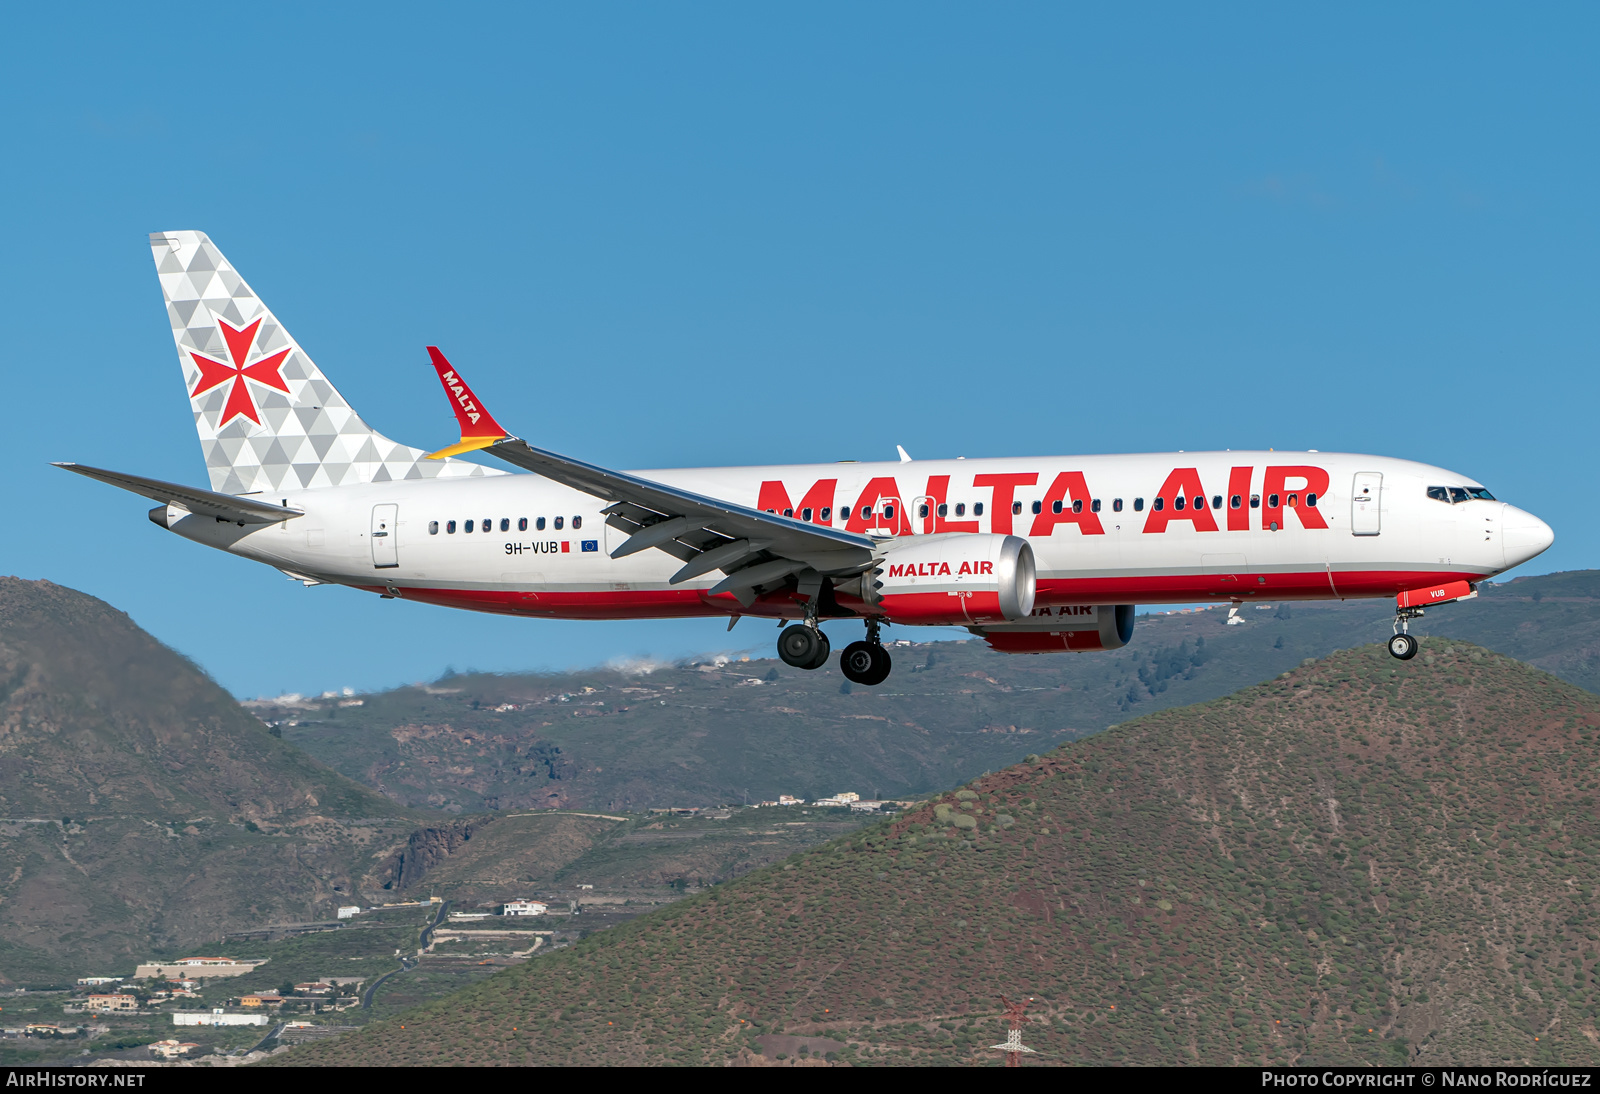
[1456,494]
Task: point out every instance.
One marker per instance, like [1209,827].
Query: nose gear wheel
[1402,645]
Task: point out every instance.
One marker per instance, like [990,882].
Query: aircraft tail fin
[268,419]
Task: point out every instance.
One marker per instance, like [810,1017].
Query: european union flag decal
[591,545]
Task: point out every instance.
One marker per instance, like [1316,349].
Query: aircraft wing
[202,503]
[754,549]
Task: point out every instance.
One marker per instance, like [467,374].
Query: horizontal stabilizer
[202,503]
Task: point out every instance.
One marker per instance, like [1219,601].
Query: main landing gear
[1402,645]
[866,662]
[804,646]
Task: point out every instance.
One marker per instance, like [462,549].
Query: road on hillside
[406,963]
[261,1046]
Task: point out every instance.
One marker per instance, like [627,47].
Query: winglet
[478,427]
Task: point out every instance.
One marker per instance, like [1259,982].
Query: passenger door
[385,549]
[1366,502]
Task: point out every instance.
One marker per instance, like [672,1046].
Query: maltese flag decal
[215,373]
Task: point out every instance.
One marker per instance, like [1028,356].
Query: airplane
[1032,554]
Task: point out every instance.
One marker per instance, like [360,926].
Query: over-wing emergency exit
[1033,554]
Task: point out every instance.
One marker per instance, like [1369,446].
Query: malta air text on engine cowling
[953,578]
[940,569]
[1255,498]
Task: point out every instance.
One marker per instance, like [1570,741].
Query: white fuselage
[1371,530]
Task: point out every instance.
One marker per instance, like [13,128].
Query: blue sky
[696,234]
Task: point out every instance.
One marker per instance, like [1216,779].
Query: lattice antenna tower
[1016,1017]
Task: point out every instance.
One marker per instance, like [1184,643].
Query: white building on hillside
[216,1017]
[524,907]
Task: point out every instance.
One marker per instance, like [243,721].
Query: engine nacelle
[953,578]
[1078,628]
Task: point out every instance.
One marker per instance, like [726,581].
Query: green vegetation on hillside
[1365,861]
[710,734]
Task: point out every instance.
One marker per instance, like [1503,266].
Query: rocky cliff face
[425,849]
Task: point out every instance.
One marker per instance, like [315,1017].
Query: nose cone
[1523,536]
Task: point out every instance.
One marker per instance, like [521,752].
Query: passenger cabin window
[1294,500]
[961,508]
[1077,506]
[522,524]
[1138,505]
[788,512]
[1255,501]
[1116,505]
[558,524]
[539,524]
[1094,506]
[1272,501]
[1038,507]
[1216,502]
[1177,502]
[805,514]
[1016,508]
[577,522]
[922,510]
[888,512]
[488,525]
[977,508]
[467,527]
[1235,501]
[944,510]
[1311,501]
[1158,505]
[450,527]
[827,512]
[505,524]
[1055,506]
[433,527]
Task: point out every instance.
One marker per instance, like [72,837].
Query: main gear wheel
[803,647]
[865,663]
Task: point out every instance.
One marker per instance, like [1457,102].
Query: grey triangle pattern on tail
[266,423]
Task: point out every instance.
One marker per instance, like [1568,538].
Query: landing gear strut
[1402,645]
[866,662]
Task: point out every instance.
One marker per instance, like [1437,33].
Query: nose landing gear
[1402,645]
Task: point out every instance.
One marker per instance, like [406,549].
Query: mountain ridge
[1363,862]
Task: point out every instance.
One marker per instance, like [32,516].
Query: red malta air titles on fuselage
[1068,500]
